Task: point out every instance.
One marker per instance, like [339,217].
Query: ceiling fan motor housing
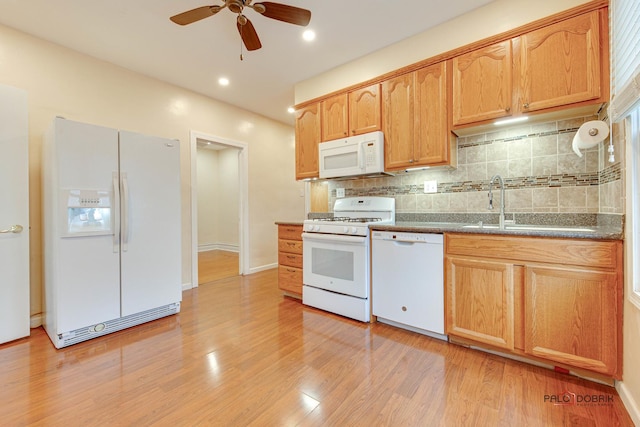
[235,6]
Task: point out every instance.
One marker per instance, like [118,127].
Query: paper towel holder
[589,135]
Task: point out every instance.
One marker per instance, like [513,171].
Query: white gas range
[336,256]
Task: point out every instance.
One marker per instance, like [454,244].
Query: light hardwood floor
[239,354]
[216,265]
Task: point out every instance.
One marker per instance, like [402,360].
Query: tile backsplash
[541,173]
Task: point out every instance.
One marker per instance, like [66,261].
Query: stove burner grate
[347,219]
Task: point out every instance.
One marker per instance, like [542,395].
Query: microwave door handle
[361,156]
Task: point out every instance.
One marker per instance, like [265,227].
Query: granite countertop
[603,232]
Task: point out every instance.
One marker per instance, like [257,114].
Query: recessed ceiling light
[291,110]
[223,81]
[309,35]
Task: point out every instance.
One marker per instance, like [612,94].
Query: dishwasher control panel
[408,237]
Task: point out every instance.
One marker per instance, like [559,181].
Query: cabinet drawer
[579,252]
[291,260]
[290,246]
[290,232]
[290,279]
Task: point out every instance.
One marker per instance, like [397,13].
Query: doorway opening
[219,200]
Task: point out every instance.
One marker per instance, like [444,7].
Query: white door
[14,215]
[151,253]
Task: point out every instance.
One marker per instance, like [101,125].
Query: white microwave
[352,156]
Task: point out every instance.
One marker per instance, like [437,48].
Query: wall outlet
[339,192]
[431,186]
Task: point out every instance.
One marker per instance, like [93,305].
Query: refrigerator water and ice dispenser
[88,213]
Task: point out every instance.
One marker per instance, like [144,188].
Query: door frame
[243,200]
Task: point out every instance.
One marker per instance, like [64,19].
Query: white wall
[63,82]
[207,168]
[218,198]
[228,194]
[494,18]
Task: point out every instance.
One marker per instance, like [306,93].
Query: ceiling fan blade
[196,14]
[249,35]
[285,13]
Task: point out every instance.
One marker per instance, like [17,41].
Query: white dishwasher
[407,280]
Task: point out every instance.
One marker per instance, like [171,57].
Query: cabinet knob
[507,109]
[411,161]
[525,105]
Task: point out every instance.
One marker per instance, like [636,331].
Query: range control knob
[353,230]
[345,229]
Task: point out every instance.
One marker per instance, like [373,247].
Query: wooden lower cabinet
[571,316]
[481,301]
[557,301]
[290,259]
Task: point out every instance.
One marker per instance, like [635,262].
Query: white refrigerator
[112,231]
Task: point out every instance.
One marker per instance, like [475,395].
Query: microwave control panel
[370,154]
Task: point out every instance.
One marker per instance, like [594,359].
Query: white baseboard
[187,286]
[629,402]
[218,247]
[35,321]
[263,268]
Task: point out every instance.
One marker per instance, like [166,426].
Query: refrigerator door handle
[125,212]
[116,212]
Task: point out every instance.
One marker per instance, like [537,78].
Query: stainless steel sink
[532,227]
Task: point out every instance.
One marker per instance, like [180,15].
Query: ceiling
[138,35]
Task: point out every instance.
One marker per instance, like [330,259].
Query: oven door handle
[339,238]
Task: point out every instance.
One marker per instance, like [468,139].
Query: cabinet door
[432,140]
[482,84]
[364,110]
[398,96]
[571,316]
[480,301]
[560,63]
[307,140]
[333,113]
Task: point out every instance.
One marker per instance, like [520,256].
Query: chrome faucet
[493,178]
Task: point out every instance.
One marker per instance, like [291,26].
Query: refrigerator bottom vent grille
[83,334]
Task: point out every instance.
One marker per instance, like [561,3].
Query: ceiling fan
[281,12]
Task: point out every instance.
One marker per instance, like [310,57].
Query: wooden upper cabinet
[365,110]
[482,84]
[398,121]
[432,137]
[414,119]
[561,64]
[353,113]
[571,316]
[335,122]
[307,131]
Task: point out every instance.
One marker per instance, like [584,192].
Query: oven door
[336,263]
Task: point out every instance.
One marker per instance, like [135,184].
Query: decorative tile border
[610,174]
[548,181]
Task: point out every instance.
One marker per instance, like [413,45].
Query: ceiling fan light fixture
[259,7]
[235,6]
[242,20]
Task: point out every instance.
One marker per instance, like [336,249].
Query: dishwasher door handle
[404,242]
